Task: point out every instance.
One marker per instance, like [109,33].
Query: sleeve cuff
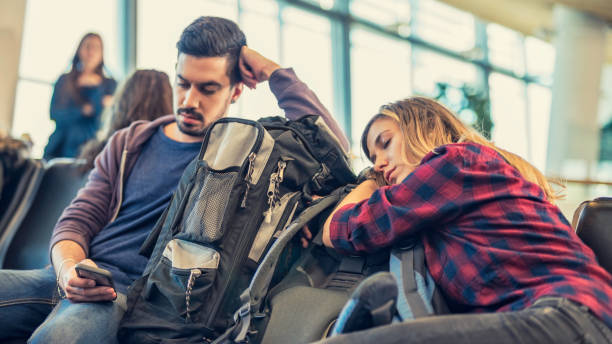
[280,79]
[338,230]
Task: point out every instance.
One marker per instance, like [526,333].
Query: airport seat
[16,199]
[29,247]
[592,222]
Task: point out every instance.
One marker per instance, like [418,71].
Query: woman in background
[510,266]
[78,100]
[145,95]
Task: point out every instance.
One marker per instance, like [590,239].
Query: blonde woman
[498,248]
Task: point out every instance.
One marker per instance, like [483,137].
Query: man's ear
[238,87]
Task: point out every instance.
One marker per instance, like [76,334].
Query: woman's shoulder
[109,84]
[462,152]
[62,79]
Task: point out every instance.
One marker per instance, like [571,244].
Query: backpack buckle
[242,312]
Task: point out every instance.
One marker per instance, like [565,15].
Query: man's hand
[254,67]
[79,289]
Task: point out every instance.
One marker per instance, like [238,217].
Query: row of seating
[30,207]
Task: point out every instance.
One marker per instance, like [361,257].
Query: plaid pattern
[492,241]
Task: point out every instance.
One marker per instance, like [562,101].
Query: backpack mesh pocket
[207,206]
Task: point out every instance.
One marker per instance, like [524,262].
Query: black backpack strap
[253,296]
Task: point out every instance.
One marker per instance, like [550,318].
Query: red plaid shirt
[492,241]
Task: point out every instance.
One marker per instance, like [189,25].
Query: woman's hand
[107,100]
[361,192]
[87,110]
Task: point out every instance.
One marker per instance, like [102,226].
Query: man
[132,183]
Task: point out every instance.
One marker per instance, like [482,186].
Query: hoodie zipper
[121,172]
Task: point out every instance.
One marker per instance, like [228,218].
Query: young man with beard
[132,183]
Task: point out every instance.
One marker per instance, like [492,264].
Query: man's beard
[189,129]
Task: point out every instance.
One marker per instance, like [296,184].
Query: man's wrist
[269,70]
[63,264]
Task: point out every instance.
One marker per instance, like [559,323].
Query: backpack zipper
[274,189]
[248,178]
[195,273]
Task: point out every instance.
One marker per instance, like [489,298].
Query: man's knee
[80,323]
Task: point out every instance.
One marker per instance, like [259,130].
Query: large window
[392,14]
[538,106]
[380,74]
[444,26]
[397,48]
[160,24]
[540,59]
[52,31]
[508,108]
[259,21]
[306,46]
[506,48]
[431,68]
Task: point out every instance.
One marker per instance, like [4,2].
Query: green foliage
[472,105]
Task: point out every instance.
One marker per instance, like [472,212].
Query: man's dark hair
[213,37]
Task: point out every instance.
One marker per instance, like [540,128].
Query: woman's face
[90,53]
[387,150]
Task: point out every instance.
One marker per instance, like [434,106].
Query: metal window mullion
[128,35]
[341,67]
[525,81]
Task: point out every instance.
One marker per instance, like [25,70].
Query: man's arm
[65,255]
[87,214]
[293,96]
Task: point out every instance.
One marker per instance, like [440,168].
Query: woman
[146,95]
[494,242]
[78,100]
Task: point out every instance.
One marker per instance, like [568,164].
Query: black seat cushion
[29,248]
[15,200]
[593,224]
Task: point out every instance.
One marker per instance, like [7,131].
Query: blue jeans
[30,305]
[549,320]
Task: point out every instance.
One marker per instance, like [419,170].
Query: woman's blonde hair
[427,124]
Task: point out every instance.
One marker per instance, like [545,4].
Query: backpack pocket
[184,275]
[208,205]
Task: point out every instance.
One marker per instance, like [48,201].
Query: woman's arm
[63,109]
[435,193]
[361,192]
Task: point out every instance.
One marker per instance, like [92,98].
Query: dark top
[72,127]
[148,190]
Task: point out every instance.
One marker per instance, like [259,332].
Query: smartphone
[101,276]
